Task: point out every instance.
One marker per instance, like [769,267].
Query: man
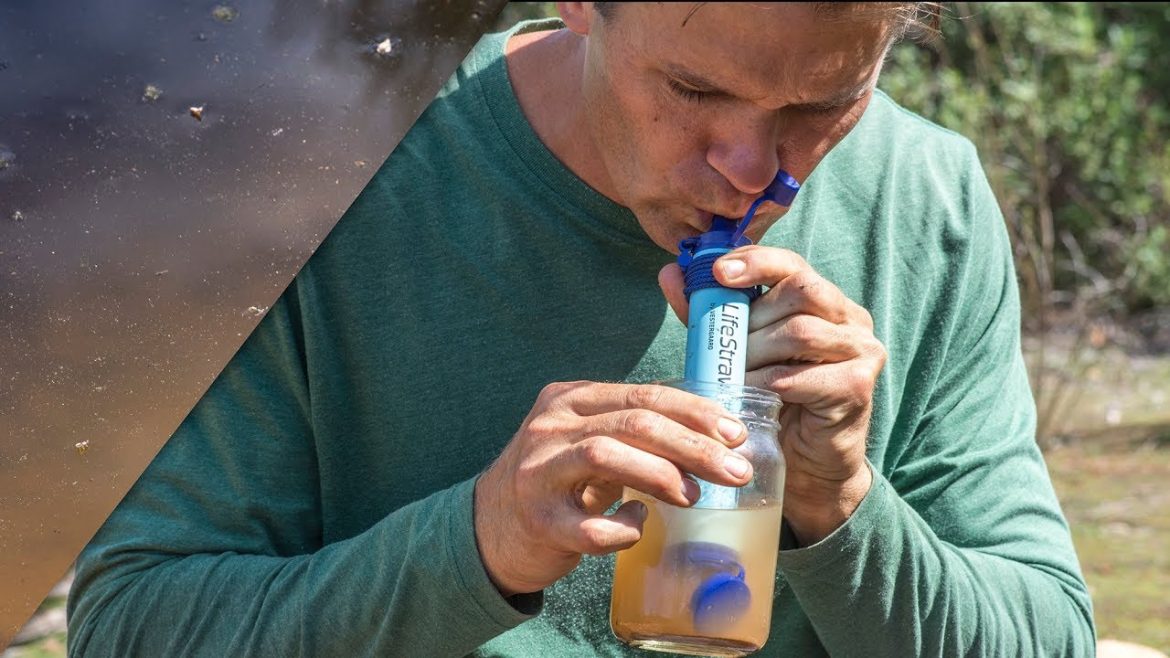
[389,466]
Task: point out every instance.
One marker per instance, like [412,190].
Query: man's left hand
[814,347]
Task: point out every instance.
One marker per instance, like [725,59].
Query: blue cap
[720,602]
[722,596]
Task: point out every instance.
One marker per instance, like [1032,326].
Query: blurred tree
[1067,103]
[1068,106]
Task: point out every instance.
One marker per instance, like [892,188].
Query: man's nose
[745,152]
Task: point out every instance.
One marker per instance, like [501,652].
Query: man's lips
[701,219]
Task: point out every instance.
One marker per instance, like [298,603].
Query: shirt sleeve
[960,547]
[217,549]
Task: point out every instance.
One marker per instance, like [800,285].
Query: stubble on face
[777,87]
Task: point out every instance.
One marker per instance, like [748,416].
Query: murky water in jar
[676,590]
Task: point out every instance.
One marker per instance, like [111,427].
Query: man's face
[690,121]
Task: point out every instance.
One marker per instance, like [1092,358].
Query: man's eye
[686,93]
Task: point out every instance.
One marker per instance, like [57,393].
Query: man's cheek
[804,149]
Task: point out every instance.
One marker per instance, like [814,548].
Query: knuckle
[802,283]
[713,455]
[866,317]
[545,425]
[641,423]
[597,452]
[643,396]
[799,328]
[551,392]
[860,382]
[775,377]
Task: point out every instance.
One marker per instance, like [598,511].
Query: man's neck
[546,69]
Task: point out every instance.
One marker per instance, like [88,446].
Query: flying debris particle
[256,311]
[81,447]
[151,93]
[385,47]
[224,13]
[196,111]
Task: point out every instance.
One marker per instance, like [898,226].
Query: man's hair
[917,21]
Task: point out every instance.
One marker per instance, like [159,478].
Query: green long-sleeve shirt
[318,499]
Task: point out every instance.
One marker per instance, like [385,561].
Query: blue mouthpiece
[726,234]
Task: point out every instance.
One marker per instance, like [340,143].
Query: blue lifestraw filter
[717,322]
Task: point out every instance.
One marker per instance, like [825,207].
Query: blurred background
[1068,106]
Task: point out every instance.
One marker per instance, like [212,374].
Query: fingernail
[690,490]
[729,429]
[736,465]
[732,268]
[642,511]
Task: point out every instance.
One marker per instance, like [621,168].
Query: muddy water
[137,240]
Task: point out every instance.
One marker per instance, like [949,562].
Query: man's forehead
[770,53]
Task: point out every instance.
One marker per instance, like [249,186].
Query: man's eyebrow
[699,83]
[837,100]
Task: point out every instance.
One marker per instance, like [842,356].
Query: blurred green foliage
[1067,104]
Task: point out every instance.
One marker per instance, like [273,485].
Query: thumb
[670,279]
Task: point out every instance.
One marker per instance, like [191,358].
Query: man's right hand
[541,505]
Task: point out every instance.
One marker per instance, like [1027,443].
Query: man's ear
[578,16]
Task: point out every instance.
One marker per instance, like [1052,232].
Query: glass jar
[701,578]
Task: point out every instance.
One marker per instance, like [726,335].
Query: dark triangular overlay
[165,170]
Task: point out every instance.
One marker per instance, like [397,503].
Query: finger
[606,459]
[670,279]
[596,497]
[600,534]
[805,338]
[693,411]
[803,292]
[692,451]
[760,266]
[831,391]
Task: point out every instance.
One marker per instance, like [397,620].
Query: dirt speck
[385,47]
[224,13]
